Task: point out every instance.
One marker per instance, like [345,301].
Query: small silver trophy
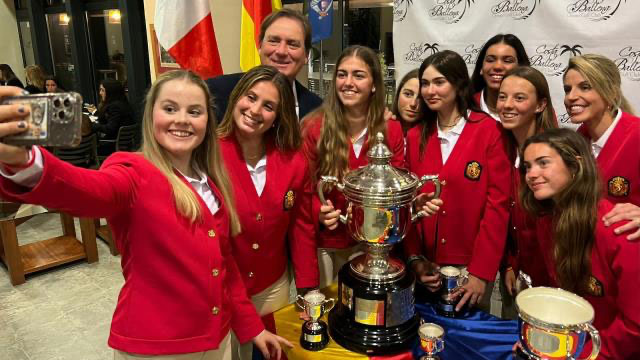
[431,340]
[314,332]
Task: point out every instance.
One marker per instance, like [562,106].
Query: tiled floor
[63,313]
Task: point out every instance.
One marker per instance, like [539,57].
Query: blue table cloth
[473,336]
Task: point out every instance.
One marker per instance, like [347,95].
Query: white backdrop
[551,31]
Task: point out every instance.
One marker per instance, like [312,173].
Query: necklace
[455,122]
[254,157]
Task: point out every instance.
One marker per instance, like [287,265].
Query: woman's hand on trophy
[427,273]
[12,122]
[510,281]
[329,216]
[622,212]
[472,292]
[270,344]
[425,202]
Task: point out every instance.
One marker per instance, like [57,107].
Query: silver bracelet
[413,258]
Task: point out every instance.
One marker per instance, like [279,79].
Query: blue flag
[321,19]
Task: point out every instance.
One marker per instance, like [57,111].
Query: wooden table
[47,253]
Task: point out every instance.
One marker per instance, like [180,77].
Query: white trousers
[331,260]
[269,300]
[223,352]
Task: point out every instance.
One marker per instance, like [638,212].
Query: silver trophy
[314,332]
[375,312]
[431,340]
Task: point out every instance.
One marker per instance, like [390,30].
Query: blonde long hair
[603,75]
[333,145]
[206,157]
[34,76]
[286,127]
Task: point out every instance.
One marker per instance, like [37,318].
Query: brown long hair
[206,157]
[333,145]
[574,209]
[545,119]
[451,65]
[603,75]
[286,127]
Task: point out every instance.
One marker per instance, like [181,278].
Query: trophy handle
[434,179]
[328,308]
[298,298]
[595,340]
[333,181]
[523,281]
[423,180]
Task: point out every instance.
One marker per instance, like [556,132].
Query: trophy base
[519,354]
[374,317]
[314,339]
[430,357]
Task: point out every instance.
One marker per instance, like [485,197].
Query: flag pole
[321,72]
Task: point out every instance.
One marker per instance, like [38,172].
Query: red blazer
[278,219]
[615,269]
[619,161]
[338,238]
[523,232]
[182,289]
[472,223]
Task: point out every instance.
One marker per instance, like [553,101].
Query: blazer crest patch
[473,170]
[594,287]
[289,200]
[618,186]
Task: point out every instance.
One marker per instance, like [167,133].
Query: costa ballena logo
[594,10]
[564,118]
[419,51]
[553,59]
[470,53]
[401,9]
[628,62]
[516,9]
[449,11]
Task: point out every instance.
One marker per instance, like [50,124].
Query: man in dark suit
[285,41]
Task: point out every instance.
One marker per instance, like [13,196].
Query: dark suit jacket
[221,87]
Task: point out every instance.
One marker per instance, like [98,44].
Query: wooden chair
[84,155]
[128,139]
[44,254]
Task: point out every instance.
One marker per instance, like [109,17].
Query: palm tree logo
[573,51]
[430,47]
[401,9]
[467,4]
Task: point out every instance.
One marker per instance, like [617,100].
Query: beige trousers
[223,352]
[269,300]
[330,262]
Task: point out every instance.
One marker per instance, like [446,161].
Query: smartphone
[55,119]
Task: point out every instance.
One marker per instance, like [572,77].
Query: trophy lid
[380,183]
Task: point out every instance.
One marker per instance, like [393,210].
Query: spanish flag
[253,13]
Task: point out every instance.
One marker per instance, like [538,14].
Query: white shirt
[295,98]
[485,107]
[259,174]
[201,186]
[449,139]
[358,142]
[597,146]
[30,176]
